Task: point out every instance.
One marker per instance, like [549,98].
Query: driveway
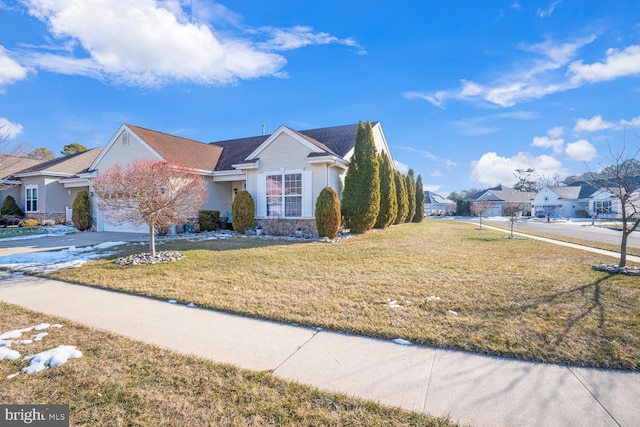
[48,243]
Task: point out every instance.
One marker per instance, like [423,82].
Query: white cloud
[552,140]
[402,168]
[532,80]
[10,70]
[635,122]
[300,36]
[594,124]
[556,132]
[544,141]
[451,163]
[618,63]
[581,150]
[431,187]
[492,169]
[423,153]
[150,43]
[8,129]
[548,11]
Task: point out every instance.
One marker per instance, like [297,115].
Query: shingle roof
[430,197]
[14,164]
[194,154]
[575,191]
[337,140]
[67,165]
[237,150]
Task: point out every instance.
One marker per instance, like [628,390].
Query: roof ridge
[164,133]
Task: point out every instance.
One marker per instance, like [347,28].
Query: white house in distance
[435,204]
[284,172]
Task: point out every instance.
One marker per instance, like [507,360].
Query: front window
[284,195]
[31,198]
[602,207]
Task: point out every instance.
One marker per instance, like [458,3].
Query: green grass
[119,382]
[524,299]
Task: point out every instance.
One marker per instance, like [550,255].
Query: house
[284,172]
[46,190]
[572,201]
[9,165]
[435,204]
[501,200]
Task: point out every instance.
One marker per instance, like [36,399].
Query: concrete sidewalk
[469,388]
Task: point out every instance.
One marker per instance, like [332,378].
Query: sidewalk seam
[576,376]
[294,352]
[426,392]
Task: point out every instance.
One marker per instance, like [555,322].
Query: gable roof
[194,154]
[433,198]
[63,166]
[14,164]
[507,194]
[334,140]
[575,191]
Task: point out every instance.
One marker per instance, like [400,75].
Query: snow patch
[51,358]
[400,341]
[7,354]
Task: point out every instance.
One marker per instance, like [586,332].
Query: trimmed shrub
[29,222]
[209,220]
[403,198]
[81,215]
[418,216]
[328,213]
[361,194]
[243,212]
[10,207]
[388,196]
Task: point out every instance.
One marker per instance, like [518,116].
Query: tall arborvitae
[81,214]
[403,199]
[411,195]
[361,194]
[419,215]
[388,196]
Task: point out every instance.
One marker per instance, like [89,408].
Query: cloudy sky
[466,91]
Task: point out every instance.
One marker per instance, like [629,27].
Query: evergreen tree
[403,199]
[81,215]
[328,213]
[361,194]
[243,212]
[73,148]
[411,195]
[388,196]
[10,207]
[419,215]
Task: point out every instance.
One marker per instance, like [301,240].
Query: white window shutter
[262,195]
[307,194]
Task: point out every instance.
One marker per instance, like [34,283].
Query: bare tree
[621,179]
[482,208]
[159,194]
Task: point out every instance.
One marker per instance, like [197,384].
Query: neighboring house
[500,201]
[435,204]
[9,165]
[571,201]
[284,172]
[47,189]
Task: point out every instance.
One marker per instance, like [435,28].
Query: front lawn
[438,283]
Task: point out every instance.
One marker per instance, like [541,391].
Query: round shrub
[328,213]
[10,207]
[81,215]
[243,212]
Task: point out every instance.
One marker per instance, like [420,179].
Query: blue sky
[466,91]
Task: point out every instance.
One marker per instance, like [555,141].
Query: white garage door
[105,225]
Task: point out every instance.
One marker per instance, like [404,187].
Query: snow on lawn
[49,261]
[51,358]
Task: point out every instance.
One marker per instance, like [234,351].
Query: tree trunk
[623,247]
[152,240]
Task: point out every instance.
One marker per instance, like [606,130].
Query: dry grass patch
[518,298]
[124,382]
